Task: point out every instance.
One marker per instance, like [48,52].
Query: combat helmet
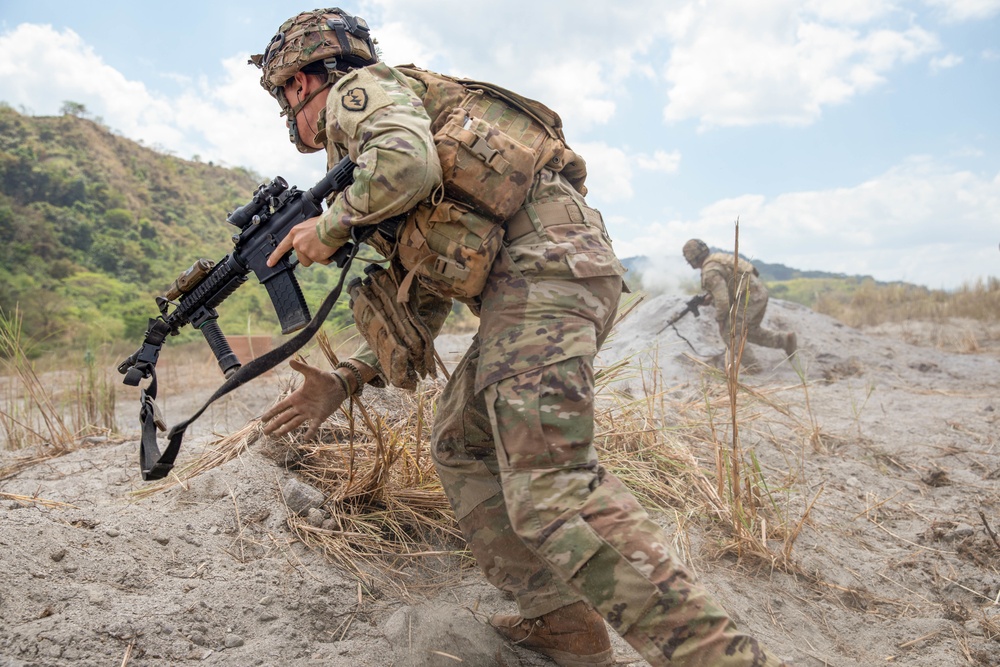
[333,37]
[695,252]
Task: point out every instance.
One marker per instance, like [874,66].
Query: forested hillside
[95,225]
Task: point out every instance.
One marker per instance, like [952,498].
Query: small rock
[161,539]
[936,479]
[315,517]
[112,532]
[973,627]
[300,497]
[233,641]
[963,530]
[58,555]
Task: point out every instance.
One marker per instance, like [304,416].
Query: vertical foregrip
[228,362]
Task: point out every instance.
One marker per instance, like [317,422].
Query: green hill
[95,226]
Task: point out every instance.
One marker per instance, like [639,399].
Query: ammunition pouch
[448,249]
[490,150]
[401,341]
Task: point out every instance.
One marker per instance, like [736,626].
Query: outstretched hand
[318,397]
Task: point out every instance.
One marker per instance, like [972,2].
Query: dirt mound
[888,448]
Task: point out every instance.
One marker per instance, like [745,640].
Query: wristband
[343,382]
[356,372]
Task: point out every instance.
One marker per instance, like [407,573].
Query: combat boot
[573,636]
[791,343]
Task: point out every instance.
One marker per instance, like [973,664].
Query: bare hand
[304,239]
[318,397]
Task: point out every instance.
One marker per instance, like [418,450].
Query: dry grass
[54,409]
[873,304]
[389,518]
[26,501]
[389,523]
[29,416]
[744,499]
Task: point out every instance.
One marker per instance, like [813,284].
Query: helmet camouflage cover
[695,251]
[332,36]
[335,37]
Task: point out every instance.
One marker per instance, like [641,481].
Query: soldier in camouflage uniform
[514,431]
[740,299]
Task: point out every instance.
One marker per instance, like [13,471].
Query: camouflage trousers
[550,526]
[749,315]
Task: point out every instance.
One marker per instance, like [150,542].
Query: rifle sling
[155,465]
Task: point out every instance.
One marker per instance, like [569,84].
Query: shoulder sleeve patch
[356,97]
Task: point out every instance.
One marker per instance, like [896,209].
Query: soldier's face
[297,90]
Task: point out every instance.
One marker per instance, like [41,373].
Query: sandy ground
[894,432]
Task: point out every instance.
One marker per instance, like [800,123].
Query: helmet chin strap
[291,112]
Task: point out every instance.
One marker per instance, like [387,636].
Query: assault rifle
[262,222]
[692,306]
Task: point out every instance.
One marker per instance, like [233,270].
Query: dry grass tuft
[54,409]
[222,451]
[29,415]
[741,496]
[26,501]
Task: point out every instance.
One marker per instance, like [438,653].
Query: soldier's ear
[298,86]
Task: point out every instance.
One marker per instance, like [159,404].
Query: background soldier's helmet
[695,251]
[333,37]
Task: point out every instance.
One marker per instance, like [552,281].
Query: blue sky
[857,136]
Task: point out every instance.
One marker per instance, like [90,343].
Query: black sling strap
[156,465]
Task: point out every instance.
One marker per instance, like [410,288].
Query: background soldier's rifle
[692,306]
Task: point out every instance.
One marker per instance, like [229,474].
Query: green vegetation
[95,226]
[811,291]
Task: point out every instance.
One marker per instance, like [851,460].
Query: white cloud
[231,121]
[945,62]
[575,57]
[957,11]
[848,12]
[778,62]
[921,222]
[609,171]
[663,161]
